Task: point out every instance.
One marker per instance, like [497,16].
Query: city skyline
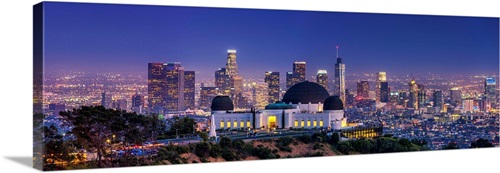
[269,41]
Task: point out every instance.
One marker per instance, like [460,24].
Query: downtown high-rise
[273,82]
[413,96]
[297,75]
[156,86]
[322,78]
[381,77]
[175,86]
[363,90]
[189,89]
[339,82]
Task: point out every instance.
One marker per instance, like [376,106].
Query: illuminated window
[235,124]
[321,122]
[296,124]
[221,123]
[228,123]
[308,123]
[302,123]
[315,123]
[248,123]
[242,124]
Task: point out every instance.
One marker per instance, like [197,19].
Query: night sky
[124,38]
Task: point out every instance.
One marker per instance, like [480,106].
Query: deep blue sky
[124,38]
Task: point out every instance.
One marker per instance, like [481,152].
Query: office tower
[137,103]
[403,99]
[260,92]
[437,98]
[421,96]
[299,70]
[363,89]
[106,100]
[384,92]
[175,86]
[137,100]
[157,86]
[468,105]
[322,78]
[490,89]
[231,66]
[339,89]
[349,98]
[289,79]
[413,97]
[273,83]
[207,94]
[455,96]
[189,89]
[394,98]
[238,84]
[381,77]
[223,81]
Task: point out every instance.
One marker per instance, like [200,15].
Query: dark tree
[481,143]
[450,146]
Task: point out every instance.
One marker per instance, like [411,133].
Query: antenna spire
[337,51]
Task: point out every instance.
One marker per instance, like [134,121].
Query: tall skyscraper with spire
[339,89]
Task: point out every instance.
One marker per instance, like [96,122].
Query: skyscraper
[260,92]
[137,103]
[175,86]
[339,89]
[384,92]
[413,98]
[223,81]
[363,89]
[289,79]
[231,66]
[381,77]
[137,100]
[456,96]
[106,100]
[189,89]
[157,86]
[273,83]
[322,78]
[421,96]
[490,88]
[437,99]
[207,94]
[299,69]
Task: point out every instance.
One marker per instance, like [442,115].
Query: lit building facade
[137,103]
[413,97]
[189,89]
[260,93]
[157,86]
[381,77]
[223,81]
[299,70]
[456,97]
[339,89]
[305,105]
[231,65]
[207,94]
[363,89]
[384,92]
[421,96]
[273,82]
[175,86]
[437,99]
[322,78]
[490,89]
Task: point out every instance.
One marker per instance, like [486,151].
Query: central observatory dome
[305,92]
